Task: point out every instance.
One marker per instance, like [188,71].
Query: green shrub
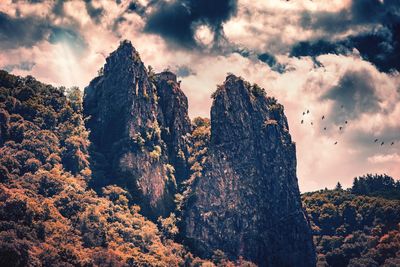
[257,91]
[156,153]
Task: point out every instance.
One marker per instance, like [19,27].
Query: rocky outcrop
[175,121]
[245,200]
[242,196]
[132,138]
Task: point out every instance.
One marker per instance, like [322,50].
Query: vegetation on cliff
[48,214]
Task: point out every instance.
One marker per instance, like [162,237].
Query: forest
[48,214]
[359,226]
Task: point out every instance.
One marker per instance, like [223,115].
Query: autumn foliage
[48,214]
[354,230]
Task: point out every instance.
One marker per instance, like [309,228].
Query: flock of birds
[340,127]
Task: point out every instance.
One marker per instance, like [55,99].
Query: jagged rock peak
[246,200]
[135,123]
[166,76]
[237,102]
[124,56]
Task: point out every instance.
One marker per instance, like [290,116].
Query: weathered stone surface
[175,121]
[246,201]
[242,197]
[126,123]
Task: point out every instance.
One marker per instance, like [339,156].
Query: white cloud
[384,158]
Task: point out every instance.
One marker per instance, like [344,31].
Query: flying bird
[376,140]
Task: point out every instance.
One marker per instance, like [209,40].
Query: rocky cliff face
[175,121]
[137,122]
[244,198]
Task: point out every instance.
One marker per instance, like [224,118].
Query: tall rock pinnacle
[246,202]
[127,129]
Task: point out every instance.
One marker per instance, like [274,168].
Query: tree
[74,95]
[100,72]
[168,225]
[338,186]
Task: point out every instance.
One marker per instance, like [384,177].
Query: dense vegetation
[356,230]
[376,185]
[48,215]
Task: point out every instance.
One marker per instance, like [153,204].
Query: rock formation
[137,122]
[175,121]
[246,200]
[242,196]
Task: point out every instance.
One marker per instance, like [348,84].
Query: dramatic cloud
[272,62]
[94,13]
[358,13]
[380,47]
[179,20]
[372,27]
[16,32]
[354,95]
[28,31]
[184,71]
[24,65]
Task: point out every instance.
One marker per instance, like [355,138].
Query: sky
[339,59]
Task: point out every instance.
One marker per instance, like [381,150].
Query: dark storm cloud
[380,45]
[136,7]
[327,21]
[354,95]
[16,32]
[58,8]
[24,65]
[265,57]
[176,20]
[184,71]
[94,13]
[271,61]
[316,48]
[28,31]
[361,12]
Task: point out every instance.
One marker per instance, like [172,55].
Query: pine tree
[338,186]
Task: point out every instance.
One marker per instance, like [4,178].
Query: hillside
[354,230]
[48,214]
